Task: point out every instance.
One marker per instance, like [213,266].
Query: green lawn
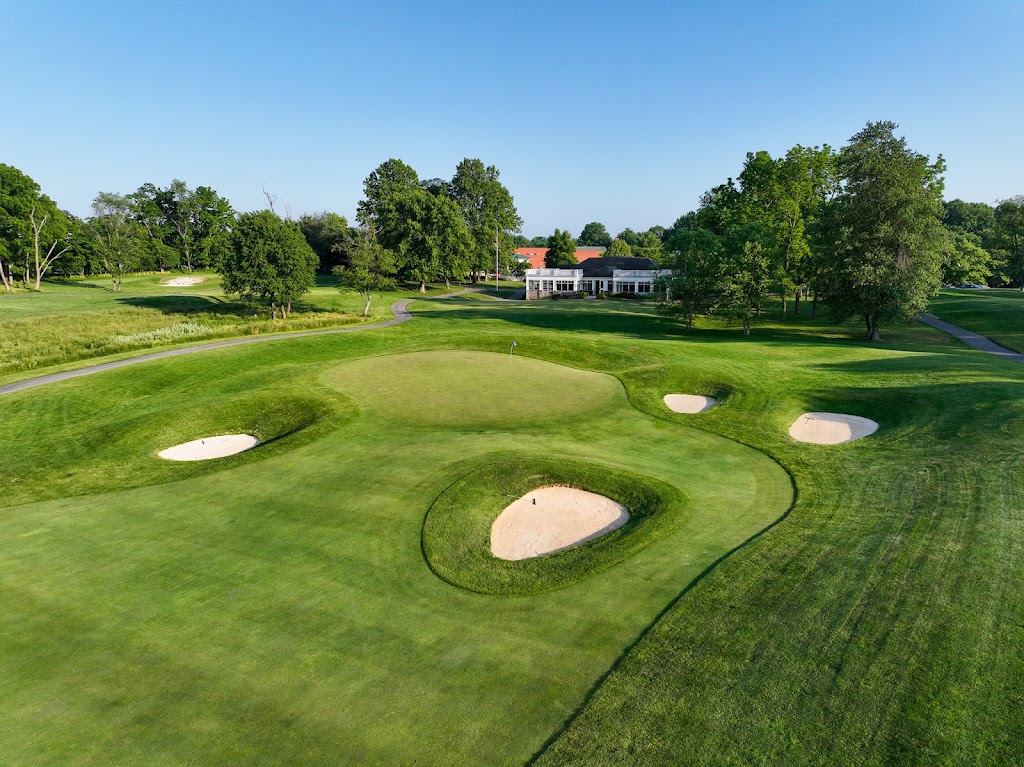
[998,314]
[276,607]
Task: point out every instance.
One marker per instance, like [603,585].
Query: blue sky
[617,112]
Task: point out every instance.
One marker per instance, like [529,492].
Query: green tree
[747,277]
[561,250]
[883,230]
[488,210]
[697,279]
[393,209]
[539,242]
[371,268]
[648,245]
[120,239]
[1009,237]
[448,242]
[330,237]
[619,248]
[268,258]
[34,232]
[594,233]
[966,260]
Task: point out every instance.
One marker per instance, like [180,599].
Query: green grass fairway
[281,611]
[277,608]
[998,314]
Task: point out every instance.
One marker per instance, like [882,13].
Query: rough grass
[281,611]
[457,529]
[998,314]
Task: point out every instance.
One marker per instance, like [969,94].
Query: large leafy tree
[393,211]
[371,269]
[195,223]
[119,237]
[330,237]
[697,279]
[1009,237]
[268,258]
[746,276]
[448,243]
[619,248]
[489,212]
[883,230]
[594,233]
[561,250]
[34,232]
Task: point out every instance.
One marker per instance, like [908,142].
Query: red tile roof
[536,255]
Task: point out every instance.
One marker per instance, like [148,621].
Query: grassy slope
[232,618]
[879,623]
[998,314]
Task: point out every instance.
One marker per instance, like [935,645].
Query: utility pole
[495,258]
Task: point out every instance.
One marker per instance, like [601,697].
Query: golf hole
[553,518]
[208,448]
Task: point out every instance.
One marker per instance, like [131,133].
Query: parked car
[973,286]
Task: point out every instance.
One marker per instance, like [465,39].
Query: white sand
[688,403]
[210,447]
[831,428]
[553,518]
[183,282]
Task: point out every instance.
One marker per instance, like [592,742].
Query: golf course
[327,596]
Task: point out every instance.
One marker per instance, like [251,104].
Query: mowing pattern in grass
[281,611]
[457,530]
[998,314]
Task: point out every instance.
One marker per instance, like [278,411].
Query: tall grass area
[79,320]
[998,314]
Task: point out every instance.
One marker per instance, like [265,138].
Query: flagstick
[510,350]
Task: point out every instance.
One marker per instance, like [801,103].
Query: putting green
[281,610]
[474,389]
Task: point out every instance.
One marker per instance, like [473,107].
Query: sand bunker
[183,282]
[831,428]
[210,447]
[552,518]
[688,403]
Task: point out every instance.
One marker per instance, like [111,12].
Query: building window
[564,286]
[643,287]
[546,285]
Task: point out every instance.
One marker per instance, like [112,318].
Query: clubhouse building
[607,274]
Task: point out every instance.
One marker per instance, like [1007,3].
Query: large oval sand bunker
[208,448]
[688,403]
[551,519]
[831,428]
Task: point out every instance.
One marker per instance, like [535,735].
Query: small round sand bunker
[831,428]
[688,403]
[553,518]
[208,448]
[183,282]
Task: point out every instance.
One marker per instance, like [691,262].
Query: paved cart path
[972,339]
[400,309]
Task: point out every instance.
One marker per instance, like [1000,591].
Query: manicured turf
[998,314]
[281,611]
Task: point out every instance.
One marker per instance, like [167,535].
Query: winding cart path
[972,339]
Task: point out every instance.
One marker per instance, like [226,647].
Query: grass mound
[457,529]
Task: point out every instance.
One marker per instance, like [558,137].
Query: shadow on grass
[202,304]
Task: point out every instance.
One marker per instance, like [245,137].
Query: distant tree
[120,239]
[438,187]
[965,260]
[1009,237]
[488,210]
[883,230]
[197,222]
[393,210]
[448,242]
[34,232]
[520,241]
[619,248]
[330,237]
[268,258]
[747,277]
[697,279]
[561,250]
[630,237]
[658,231]
[594,233]
[539,242]
[648,246]
[371,269]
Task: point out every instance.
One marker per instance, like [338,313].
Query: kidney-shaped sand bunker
[553,518]
[457,531]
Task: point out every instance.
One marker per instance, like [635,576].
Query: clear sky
[617,112]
